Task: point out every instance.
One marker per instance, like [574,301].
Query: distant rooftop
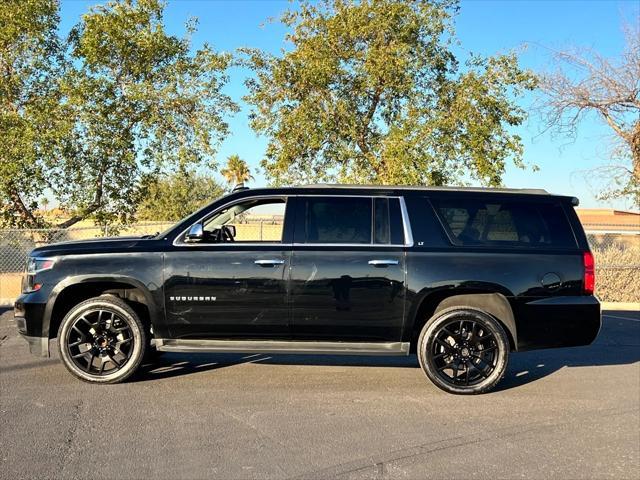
[607,211]
[609,219]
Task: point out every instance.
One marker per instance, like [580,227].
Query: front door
[348,269]
[233,282]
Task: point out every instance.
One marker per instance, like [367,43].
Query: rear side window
[505,223]
[387,221]
[350,220]
[338,220]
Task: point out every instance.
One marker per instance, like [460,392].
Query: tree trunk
[635,152]
[28,219]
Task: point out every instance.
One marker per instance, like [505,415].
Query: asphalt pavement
[566,413]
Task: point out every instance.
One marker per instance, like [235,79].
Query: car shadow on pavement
[617,344]
[179,364]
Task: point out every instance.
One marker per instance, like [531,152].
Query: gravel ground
[567,413]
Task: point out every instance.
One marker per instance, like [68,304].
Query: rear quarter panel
[517,276]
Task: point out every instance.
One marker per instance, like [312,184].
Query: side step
[272,346]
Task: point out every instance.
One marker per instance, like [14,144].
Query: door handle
[383,263]
[269,263]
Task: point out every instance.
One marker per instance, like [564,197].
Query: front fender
[87,279]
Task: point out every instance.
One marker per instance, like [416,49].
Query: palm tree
[237,171]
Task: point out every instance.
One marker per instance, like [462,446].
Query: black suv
[460,276]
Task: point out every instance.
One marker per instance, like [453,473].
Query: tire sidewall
[427,336]
[109,305]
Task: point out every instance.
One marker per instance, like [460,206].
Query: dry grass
[618,273]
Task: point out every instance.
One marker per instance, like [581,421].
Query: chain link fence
[616,249]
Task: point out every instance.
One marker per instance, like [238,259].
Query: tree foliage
[137,103]
[237,171]
[34,124]
[585,82]
[370,91]
[174,196]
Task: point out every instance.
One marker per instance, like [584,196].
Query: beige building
[594,219]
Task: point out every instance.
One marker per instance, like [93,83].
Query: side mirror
[195,233]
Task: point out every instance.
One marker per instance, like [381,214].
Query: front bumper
[29,320]
[38,345]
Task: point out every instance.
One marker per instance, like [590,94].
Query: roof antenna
[239,187]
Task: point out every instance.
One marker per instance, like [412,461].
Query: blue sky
[483,27]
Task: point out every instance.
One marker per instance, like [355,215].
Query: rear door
[348,269]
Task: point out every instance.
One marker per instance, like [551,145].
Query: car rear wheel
[102,340]
[463,350]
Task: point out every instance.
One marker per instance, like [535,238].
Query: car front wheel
[463,350]
[102,340]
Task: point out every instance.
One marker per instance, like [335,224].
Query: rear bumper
[563,321]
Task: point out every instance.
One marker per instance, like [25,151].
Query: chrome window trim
[406,225]
[351,245]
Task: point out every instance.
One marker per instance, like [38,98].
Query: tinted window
[338,220]
[382,233]
[473,222]
[395,222]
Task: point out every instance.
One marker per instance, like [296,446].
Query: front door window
[256,220]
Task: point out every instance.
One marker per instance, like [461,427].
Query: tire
[472,341]
[100,332]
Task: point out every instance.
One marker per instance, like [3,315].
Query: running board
[271,346]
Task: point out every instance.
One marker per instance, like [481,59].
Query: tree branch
[361,141]
[24,212]
[97,202]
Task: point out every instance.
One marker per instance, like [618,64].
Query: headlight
[38,264]
[35,265]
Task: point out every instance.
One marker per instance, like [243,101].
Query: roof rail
[537,191]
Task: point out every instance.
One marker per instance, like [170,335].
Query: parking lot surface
[567,413]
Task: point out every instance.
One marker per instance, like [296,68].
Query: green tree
[174,196]
[370,91]
[237,171]
[139,103]
[34,124]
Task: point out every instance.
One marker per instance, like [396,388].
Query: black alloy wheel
[463,350]
[102,340]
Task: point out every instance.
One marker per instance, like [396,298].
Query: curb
[7,302]
[633,306]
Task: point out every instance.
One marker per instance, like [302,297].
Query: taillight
[589,273]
